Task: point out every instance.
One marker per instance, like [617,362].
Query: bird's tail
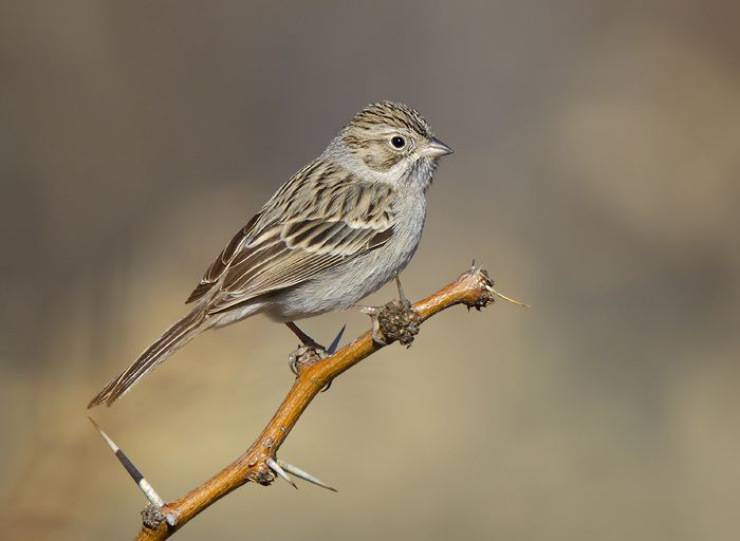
[172,339]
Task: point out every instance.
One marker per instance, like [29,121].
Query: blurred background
[595,176]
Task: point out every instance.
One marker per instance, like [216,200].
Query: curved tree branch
[473,289]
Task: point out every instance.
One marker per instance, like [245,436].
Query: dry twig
[259,463]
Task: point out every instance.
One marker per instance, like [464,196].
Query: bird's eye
[398,142]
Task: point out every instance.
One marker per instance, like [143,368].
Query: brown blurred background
[595,176]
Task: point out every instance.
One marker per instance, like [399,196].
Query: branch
[258,464]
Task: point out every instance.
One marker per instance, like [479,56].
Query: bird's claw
[308,354]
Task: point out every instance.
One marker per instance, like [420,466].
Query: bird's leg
[303,337]
[401,295]
[311,351]
[397,320]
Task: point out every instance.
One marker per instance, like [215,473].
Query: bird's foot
[306,355]
[312,352]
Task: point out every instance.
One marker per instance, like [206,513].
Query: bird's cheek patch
[381,158]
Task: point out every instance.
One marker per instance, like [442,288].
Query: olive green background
[595,176]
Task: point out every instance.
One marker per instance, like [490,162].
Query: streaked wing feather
[217,268]
[308,226]
[288,264]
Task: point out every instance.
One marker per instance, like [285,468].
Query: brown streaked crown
[393,115]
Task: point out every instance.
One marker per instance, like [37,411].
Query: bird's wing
[219,266]
[304,229]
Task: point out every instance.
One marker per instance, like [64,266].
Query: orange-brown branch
[472,288]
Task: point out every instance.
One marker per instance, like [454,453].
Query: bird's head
[390,140]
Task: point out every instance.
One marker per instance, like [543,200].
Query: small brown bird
[338,230]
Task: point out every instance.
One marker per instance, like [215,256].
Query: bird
[339,229]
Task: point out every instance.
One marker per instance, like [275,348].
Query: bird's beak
[436,149]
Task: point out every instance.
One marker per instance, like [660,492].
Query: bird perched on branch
[338,230]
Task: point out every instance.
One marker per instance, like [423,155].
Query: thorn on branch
[152,515]
[280,467]
[488,293]
[295,470]
[274,466]
[485,284]
[510,299]
[332,349]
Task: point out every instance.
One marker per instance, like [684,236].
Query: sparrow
[338,230]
